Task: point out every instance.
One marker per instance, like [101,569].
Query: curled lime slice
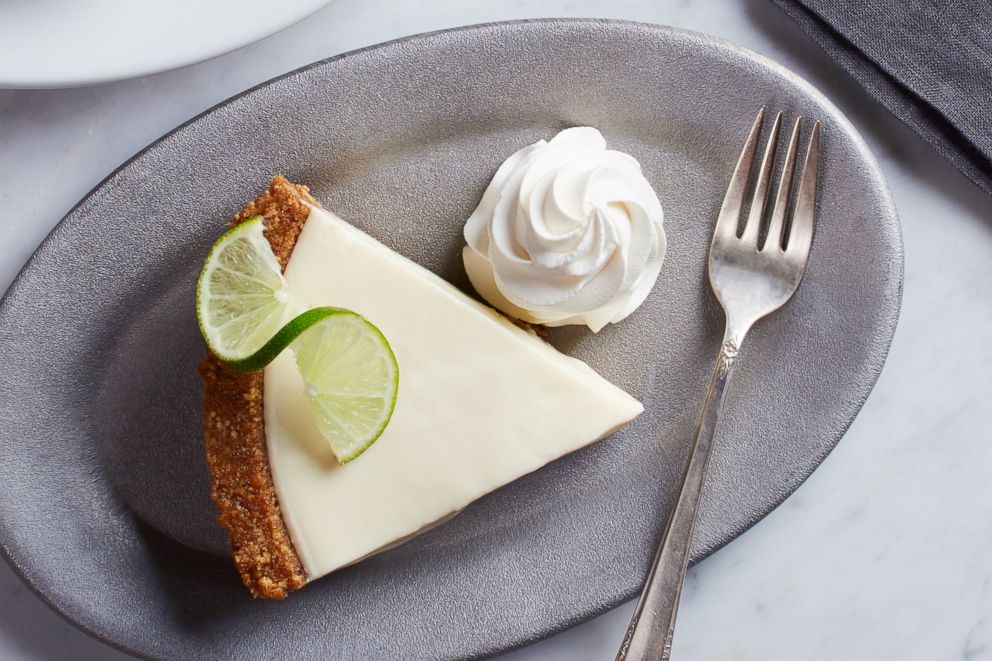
[245,313]
[351,380]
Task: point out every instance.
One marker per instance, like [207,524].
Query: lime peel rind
[282,339]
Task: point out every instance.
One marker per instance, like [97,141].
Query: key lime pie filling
[480,402]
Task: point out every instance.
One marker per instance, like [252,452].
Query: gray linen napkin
[928,61]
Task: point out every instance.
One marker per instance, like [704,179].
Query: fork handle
[649,636]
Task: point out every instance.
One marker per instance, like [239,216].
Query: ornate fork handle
[649,637]
[751,277]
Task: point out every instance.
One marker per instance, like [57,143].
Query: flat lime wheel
[351,380]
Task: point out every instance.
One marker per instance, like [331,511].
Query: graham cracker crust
[234,430]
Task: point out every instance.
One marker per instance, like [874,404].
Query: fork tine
[776,226]
[752,226]
[801,234]
[730,211]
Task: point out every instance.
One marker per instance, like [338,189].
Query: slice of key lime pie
[458,400]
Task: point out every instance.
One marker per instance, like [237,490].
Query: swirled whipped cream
[568,232]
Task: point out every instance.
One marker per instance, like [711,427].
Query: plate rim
[203,53]
[889,223]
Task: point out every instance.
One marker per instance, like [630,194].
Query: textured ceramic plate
[64,44]
[105,509]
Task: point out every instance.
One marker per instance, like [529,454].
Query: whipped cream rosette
[568,232]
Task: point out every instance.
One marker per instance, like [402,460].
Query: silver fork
[751,279]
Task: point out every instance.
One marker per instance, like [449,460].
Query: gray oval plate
[105,507]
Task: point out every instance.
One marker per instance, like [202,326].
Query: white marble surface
[885,553]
